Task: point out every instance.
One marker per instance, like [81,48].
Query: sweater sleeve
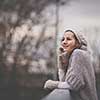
[61,74]
[74,75]
[64,85]
[62,65]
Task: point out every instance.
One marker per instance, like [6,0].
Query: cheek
[72,44]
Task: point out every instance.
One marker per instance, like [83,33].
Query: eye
[62,39]
[68,38]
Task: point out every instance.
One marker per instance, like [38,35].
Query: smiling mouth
[65,46]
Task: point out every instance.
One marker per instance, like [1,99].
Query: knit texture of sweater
[80,73]
[81,77]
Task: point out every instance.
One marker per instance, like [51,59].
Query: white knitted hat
[80,37]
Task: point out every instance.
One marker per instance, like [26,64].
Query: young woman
[75,70]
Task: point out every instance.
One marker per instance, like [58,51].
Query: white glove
[50,84]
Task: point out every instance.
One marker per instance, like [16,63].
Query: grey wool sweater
[79,76]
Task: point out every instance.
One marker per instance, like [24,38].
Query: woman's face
[69,43]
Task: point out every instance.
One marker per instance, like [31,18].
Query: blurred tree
[16,12]
[17,57]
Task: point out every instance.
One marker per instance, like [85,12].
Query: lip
[65,46]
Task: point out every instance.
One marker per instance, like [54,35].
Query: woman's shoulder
[80,56]
[79,52]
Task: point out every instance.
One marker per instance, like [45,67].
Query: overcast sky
[79,14]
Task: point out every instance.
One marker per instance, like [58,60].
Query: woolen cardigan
[79,77]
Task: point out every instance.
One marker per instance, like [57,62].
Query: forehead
[68,34]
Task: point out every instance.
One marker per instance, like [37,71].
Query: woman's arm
[63,60]
[64,85]
[61,74]
[75,73]
[50,84]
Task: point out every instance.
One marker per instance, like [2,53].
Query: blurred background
[30,32]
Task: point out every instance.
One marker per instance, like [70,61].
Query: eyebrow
[71,32]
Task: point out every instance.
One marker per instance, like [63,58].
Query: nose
[64,42]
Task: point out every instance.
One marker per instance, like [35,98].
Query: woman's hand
[61,50]
[63,56]
[50,84]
